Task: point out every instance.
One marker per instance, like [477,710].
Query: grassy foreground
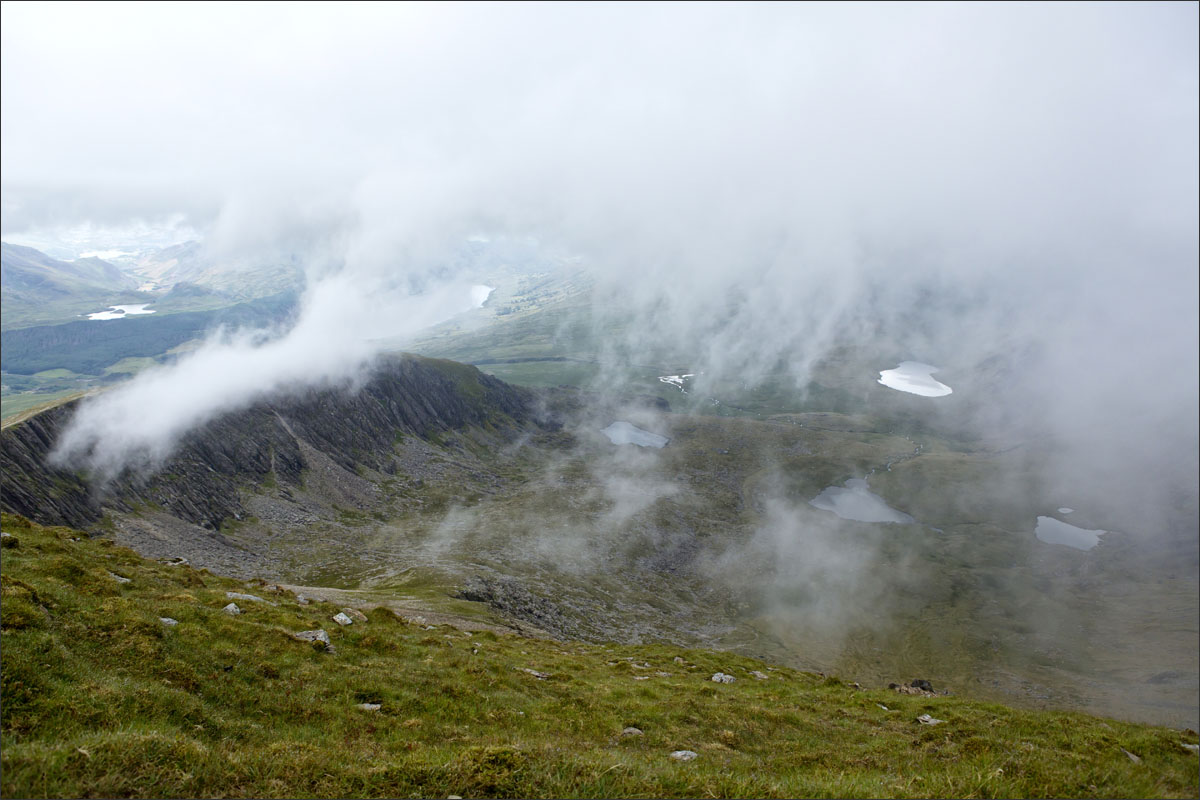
[101,698]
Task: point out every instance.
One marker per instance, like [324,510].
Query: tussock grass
[100,698]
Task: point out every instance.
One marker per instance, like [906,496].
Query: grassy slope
[102,699]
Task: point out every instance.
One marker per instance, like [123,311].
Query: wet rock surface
[514,601]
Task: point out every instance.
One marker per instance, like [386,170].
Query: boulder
[683,755]
[355,614]
[240,596]
[232,609]
[342,619]
[721,677]
[168,621]
[312,636]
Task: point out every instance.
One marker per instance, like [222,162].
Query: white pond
[624,433]
[915,378]
[121,312]
[857,502]
[676,380]
[1055,531]
[480,294]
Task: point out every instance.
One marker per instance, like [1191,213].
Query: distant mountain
[240,278]
[36,289]
[29,275]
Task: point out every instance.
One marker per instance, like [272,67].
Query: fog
[751,185]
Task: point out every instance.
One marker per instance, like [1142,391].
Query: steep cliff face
[203,482]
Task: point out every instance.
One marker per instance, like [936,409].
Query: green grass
[130,366]
[102,699]
[16,407]
[543,373]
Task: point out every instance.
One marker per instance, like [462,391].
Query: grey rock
[925,719]
[762,676]
[1132,757]
[342,619]
[721,677]
[312,636]
[302,600]
[632,731]
[355,614]
[232,609]
[368,706]
[168,621]
[1194,748]
[118,578]
[240,596]
[541,676]
[684,755]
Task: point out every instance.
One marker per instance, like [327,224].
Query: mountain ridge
[201,481]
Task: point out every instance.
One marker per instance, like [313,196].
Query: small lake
[857,502]
[121,312]
[915,378]
[1055,531]
[676,380]
[480,294]
[625,433]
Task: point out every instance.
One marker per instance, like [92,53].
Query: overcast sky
[768,166]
